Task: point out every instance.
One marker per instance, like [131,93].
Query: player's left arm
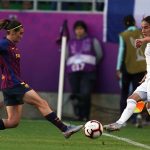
[3,46]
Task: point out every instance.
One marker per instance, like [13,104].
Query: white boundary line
[128,141]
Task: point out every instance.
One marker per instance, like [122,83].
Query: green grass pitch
[41,135]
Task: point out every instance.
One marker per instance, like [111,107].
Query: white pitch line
[128,141]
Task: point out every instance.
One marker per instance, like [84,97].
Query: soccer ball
[93,129]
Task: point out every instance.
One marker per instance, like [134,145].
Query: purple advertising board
[40,55]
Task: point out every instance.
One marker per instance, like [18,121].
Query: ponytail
[4,24]
[129,21]
[10,25]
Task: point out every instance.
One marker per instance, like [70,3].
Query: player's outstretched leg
[67,130]
[31,97]
[127,113]
[112,127]
[71,130]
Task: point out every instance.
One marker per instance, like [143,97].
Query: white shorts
[143,90]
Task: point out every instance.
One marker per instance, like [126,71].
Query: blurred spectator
[131,64]
[27,5]
[66,6]
[53,5]
[83,55]
[12,17]
[76,6]
[100,6]
[5,4]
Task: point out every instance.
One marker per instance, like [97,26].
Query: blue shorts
[14,96]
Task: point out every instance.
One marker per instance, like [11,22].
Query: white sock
[147,107]
[128,111]
[148,110]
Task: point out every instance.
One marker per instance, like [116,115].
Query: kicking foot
[71,130]
[112,127]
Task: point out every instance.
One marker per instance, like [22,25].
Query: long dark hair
[8,25]
[129,21]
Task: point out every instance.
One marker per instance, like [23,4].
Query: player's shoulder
[4,43]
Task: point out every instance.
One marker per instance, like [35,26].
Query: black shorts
[14,96]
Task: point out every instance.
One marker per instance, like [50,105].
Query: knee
[15,124]
[12,123]
[39,102]
[42,103]
[134,97]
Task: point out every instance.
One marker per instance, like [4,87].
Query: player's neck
[10,39]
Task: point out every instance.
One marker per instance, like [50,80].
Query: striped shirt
[9,63]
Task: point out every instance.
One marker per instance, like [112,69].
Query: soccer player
[143,90]
[14,89]
[131,63]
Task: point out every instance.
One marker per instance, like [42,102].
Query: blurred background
[40,54]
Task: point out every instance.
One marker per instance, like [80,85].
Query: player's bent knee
[134,96]
[15,125]
[12,123]
[44,103]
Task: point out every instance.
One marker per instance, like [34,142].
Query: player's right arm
[140,42]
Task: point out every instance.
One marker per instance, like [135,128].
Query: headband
[15,27]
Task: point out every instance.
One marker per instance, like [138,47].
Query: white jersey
[147,55]
[143,90]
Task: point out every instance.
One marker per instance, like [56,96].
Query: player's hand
[138,43]
[118,74]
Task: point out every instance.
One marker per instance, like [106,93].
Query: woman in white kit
[143,90]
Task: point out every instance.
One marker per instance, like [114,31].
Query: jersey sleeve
[120,53]
[3,46]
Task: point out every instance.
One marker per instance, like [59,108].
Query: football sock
[56,121]
[2,126]
[128,111]
[148,110]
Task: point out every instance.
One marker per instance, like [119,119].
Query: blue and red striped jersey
[9,63]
